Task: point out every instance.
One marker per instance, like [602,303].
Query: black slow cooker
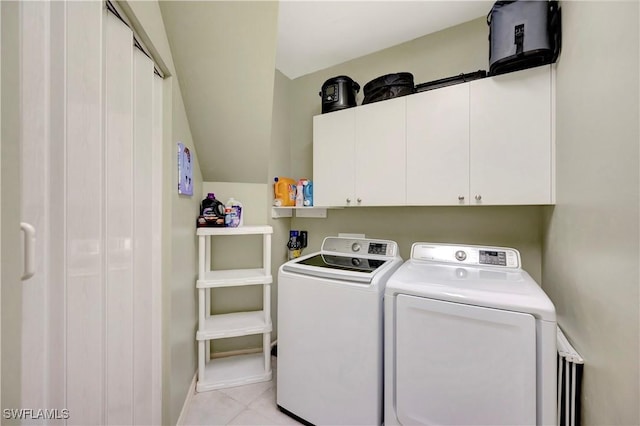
[338,93]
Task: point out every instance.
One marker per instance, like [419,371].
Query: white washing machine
[470,339]
[330,332]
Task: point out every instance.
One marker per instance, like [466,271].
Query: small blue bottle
[307,191]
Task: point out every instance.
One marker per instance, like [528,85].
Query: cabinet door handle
[348,200]
[460,197]
[478,197]
[29,250]
[359,200]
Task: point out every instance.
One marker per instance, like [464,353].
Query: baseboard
[187,401]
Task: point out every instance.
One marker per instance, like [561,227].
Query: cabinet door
[438,147]
[381,153]
[333,158]
[511,144]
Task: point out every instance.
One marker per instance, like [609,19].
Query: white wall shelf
[242,369]
[310,212]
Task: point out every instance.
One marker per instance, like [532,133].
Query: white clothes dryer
[470,339]
[330,332]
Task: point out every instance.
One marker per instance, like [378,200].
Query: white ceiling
[313,35]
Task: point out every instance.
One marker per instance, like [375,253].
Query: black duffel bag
[388,87]
[523,34]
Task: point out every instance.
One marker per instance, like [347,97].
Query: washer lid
[343,263]
[511,289]
[345,268]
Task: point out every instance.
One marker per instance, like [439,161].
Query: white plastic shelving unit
[240,369]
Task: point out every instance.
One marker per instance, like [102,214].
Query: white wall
[590,245]
[224,53]
[279,165]
[184,263]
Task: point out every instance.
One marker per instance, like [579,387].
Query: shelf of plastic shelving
[234,325]
[233,371]
[240,230]
[234,277]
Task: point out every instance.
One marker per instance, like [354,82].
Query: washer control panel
[493,257]
[500,257]
[341,245]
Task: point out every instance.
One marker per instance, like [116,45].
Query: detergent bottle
[211,212]
[284,190]
[307,193]
[236,212]
[210,206]
[299,194]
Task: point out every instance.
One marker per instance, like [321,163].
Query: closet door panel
[57,190]
[157,182]
[119,180]
[85,213]
[35,206]
[143,235]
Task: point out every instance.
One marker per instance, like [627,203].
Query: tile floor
[243,405]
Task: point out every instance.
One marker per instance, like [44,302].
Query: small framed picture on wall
[185,184]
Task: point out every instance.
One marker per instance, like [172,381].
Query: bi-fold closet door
[91,174]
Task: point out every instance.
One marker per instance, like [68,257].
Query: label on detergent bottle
[227,216]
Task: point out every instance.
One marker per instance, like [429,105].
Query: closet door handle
[29,250]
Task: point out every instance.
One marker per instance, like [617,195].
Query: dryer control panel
[500,257]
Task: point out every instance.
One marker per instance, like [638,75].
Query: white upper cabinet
[359,156]
[487,142]
[438,147]
[511,138]
[334,158]
[381,153]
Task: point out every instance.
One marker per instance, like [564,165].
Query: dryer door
[461,364]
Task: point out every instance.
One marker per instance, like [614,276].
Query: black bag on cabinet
[450,81]
[388,86]
[523,34]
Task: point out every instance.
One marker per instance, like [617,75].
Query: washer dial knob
[355,247]
[461,255]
